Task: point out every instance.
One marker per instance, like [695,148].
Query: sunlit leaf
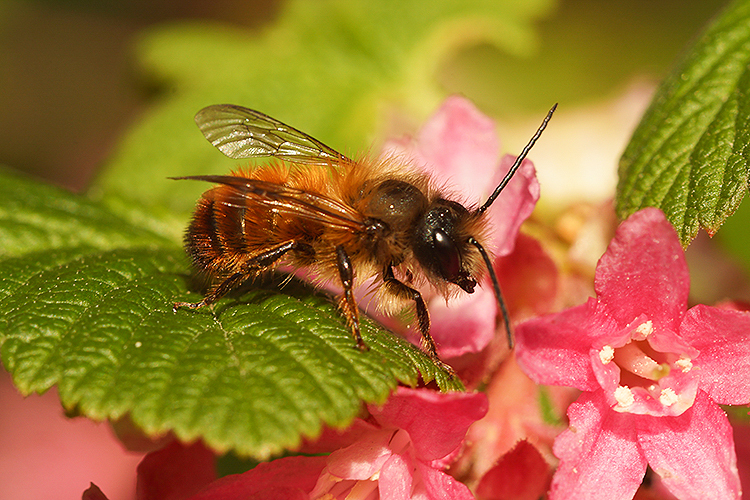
[689,155]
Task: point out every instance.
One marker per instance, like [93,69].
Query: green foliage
[689,155]
[87,306]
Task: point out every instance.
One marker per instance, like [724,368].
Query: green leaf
[87,305]
[38,218]
[339,70]
[689,155]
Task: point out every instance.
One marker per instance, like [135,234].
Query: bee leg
[255,265]
[215,294]
[347,303]
[402,290]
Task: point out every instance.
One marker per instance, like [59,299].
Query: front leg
[403,291]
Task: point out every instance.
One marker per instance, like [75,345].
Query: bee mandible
[347,220]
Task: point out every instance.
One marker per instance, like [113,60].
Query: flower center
[632,357]
[640,379]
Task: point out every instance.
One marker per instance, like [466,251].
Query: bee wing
[285,200]
[244,133]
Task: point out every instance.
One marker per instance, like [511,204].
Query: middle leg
[347,303]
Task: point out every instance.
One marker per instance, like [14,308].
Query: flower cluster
[399,451]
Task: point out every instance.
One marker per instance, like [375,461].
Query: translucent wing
[244,133]
[285,200]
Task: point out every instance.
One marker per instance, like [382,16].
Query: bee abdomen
[215,239]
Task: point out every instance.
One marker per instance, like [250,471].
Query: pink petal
[521,474]
[513,206]
[644,271]
[465,324]
[362,459]
[436,422]
[332,439]
[439,486]
[93,493]
[285,478]
[528,279]
[742,448]
[459,145]
[668,341]
[599,455]
[396,480]
[555,349]
[693,453]
[175,472]
[721,336]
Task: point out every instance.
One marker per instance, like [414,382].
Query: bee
[347,220]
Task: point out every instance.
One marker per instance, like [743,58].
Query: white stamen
[684,364]
[624,397]
[668,397]
[644,330]
[607,354]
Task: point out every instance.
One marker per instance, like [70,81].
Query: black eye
[447,254]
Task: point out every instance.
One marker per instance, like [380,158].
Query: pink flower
[414,436]
[399,452]
[652,373]
[175,471]
[459,146]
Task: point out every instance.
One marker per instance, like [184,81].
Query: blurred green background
[69,85]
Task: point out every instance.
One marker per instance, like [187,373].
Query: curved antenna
[517,163]
[496,288]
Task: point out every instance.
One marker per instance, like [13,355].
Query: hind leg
[255,265]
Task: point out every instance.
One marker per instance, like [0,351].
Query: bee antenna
[496,288]
[517,163]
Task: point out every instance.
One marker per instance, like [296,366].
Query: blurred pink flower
[175,472]
[459,147]
[652,373]
[519,410]
[521,474]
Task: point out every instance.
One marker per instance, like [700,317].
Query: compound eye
[447,253]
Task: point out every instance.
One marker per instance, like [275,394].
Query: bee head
[441,244]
